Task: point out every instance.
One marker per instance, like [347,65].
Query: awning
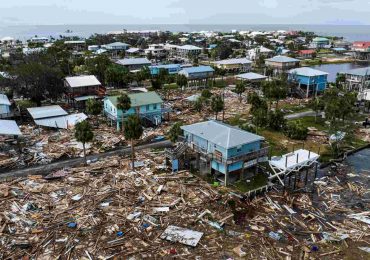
[84,98]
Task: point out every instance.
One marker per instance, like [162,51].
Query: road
[300,115]
[46,169]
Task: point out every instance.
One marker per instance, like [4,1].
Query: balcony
[264,151]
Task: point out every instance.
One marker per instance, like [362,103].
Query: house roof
[133,61]
[306,51]
[9,127]
[234,61]
[358,72]
[166,66]
[189,47]
[133,50]
[117,44]
[47,111]
[251,76]
[74,42]
[82,81]
[308,72]
[320,39]
[282,59]
[4,100]
[221,134]
[361,44]
[139,99]
[199,69]
[62,122]
[264,49]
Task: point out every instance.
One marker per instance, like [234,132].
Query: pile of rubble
[106,210]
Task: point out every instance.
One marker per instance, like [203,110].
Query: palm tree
[240,89]
[217,104]
[93,107]
[133,131]
[123,104]
[84,134]
[181,81]
[175,132]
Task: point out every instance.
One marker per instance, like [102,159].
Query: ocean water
[24,32]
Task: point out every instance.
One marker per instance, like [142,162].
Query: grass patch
[170,86]
[255,182]
[309,121]
[23,104]
[293,108]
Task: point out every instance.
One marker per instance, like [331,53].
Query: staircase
[175,153]
[298,91]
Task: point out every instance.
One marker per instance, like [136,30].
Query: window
[155,106]
[147,107]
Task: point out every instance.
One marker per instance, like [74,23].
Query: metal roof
[251,76]
[320,39]
[221,134]
[133,61]
[4,100]
[74,42]
[234,61]
[63,122]
[189,47]
[282,59]
[166,66]
[117,44]
[82,81]
[47,111]
[139,99]
[199,69]
[308,72]
[132,50]
[358,72]
[9,127]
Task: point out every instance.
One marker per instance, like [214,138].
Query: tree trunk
[216,115]
[83,145]
[132,154]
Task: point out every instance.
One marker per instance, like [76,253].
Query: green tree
[38,77]
[296,131]
[340,80]
[175,132]
[198,104]
[116,75]
[240,89]
[123,104]
[276,120]
[133,131]
[206,94]
[84,134]
[93,107]
[316,105]
[98,65]
[181,81]
[217,104]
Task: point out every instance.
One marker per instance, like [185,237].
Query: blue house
[147,105]
[309,80]
[198,75]
[229,150]
[171,68]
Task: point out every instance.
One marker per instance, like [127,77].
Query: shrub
[297,131]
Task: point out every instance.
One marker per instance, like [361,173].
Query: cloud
[185,11]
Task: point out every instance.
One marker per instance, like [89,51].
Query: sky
[51,12]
